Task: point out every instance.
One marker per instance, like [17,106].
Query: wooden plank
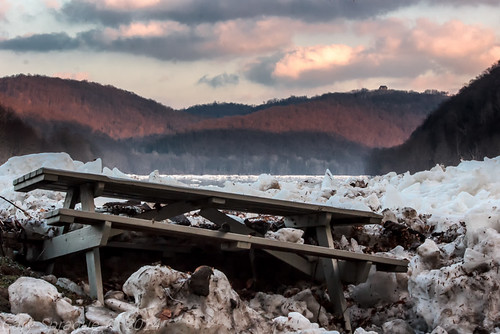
[71,199]
[87,197]
[83,239]
[294,260]
[127,223]
[354,272]
[331,271]
[32,183]
[236,245]
[311,220]
[219,218]
[93,259]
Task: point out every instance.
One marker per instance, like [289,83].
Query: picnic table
[337,265]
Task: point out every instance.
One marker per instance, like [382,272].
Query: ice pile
[453,281]
[164,301]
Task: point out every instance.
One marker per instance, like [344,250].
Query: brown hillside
[106,109]
[374,119]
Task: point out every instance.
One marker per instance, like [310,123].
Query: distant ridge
[296,135]
[106,109]
[370,118]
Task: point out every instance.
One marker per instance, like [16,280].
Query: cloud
[246,37]
[88,12]
[456,44]
[314,58]
[149,29]
[260,70]
[115,12]
[4,8]
[40,43]
[398,49]
[220,80]
[169,40]
[185,46]
[128,4]
[52,4]
[80,76]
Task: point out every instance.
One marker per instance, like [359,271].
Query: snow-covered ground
[452,285]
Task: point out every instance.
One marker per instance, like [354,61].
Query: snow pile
[165,301]
[43,302]
[446,221]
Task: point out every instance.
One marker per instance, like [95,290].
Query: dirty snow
[452,282]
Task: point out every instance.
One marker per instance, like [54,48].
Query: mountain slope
[16,137]
[370,118]
[289,136]
[467,126]
[106,109]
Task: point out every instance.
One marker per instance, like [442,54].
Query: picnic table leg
[94,273]
[332,277]
[69,203]
[87,197]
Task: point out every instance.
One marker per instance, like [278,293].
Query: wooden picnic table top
[63,180]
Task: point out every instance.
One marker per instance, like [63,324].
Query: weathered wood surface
[68,216]
[60,180]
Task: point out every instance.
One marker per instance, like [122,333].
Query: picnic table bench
[337,265]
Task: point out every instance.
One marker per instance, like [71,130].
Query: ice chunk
[266,182]
[42,301]
[287,234]
[297,323]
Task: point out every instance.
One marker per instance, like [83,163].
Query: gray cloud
[220,80]
[202,11]
[182,46]
[41,43]
[81,11]
[261,70]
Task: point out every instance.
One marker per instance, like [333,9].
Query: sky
[187,52]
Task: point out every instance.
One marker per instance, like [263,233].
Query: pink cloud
[4,8]
[453,45]
[80,76]
[453,39]
[242,37]
[53,4]
[127,4]
[421,51]
[148,29]
[314,58]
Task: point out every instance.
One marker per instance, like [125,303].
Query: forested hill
[467,126]
[379,118]
[106,109]
[298,135]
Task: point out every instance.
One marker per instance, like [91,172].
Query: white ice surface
[453,284]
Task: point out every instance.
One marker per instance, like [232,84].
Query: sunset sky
[186,52]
